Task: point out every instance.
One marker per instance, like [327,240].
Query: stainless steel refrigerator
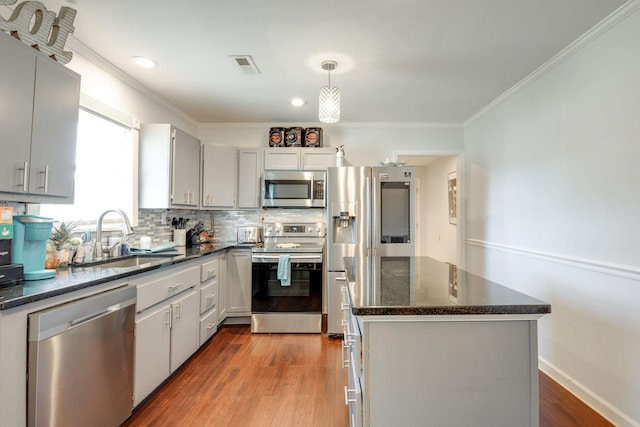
[370,211]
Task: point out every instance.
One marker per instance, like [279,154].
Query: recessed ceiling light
[298,102]
[143,62]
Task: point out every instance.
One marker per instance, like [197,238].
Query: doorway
[439,220]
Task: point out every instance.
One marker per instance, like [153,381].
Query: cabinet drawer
[164,284]
[209,270]
[208,325]
[208,296]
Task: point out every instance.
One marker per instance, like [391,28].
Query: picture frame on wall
[452,190]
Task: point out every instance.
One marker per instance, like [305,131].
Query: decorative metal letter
[48,33]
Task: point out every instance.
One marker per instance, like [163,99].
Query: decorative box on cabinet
[169,168]
[39,127]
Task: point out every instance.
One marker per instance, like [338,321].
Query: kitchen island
[430,344]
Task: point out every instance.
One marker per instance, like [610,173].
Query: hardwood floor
[240,379]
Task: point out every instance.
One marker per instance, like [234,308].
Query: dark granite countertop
[425,286]
[70,279]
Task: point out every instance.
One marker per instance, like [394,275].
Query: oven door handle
[291,258]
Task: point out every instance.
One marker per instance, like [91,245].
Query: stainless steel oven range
[287,279]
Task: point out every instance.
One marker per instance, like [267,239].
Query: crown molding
[580,43]
[99,61]
[354,125]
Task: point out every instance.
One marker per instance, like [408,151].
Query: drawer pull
[344,306]
[174,287]
[346,395]
[345,360]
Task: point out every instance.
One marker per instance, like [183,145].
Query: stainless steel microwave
[294,189]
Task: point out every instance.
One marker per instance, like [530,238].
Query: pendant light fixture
[329,99]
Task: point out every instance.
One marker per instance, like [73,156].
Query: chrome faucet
[126,229]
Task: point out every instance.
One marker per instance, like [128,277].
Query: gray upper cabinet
[249,178]
[169,168]
[298,158]
[38,121]
[219,172]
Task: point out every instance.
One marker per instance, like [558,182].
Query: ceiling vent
[246,64]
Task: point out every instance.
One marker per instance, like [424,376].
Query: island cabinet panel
[451,373]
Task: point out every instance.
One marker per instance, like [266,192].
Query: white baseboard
[601,406]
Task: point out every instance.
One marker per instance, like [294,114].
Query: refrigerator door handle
[374,214]
[368,213]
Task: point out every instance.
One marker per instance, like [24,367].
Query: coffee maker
[29,245]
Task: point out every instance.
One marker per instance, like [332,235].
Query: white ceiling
[425,61]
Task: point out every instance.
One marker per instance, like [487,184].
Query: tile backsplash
[223,223]
[156,223]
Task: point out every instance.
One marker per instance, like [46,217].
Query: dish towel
[284,270]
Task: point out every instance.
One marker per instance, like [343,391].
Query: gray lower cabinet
[238,283]
[39,125]
[223,285]
[335,285]
[167,324]
[209,298]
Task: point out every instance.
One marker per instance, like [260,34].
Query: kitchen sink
[129,261]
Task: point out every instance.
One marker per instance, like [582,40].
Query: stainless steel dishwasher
[80,370]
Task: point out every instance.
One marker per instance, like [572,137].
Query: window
[105,173]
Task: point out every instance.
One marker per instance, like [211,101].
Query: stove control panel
[280,229]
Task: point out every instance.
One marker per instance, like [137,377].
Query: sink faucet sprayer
[126,229]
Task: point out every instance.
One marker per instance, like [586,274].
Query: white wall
[438,236]
[113,88]
[552,210]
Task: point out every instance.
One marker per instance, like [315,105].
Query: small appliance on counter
[250,234]
[29,245]
[10,273]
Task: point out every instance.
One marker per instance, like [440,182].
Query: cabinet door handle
[178,310]
[45,184]
[167,321]
[344,306]
[25,176]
